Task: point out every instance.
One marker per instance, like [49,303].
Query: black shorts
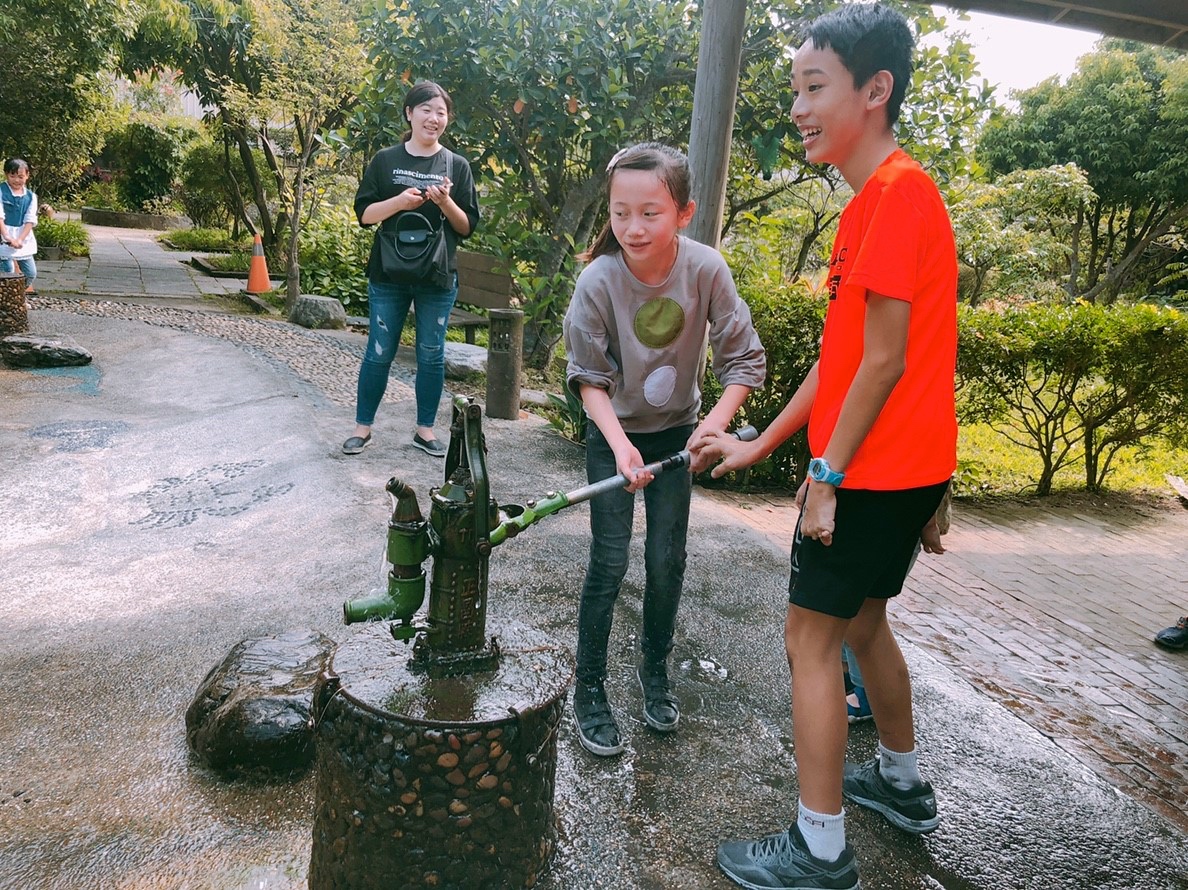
[874,538]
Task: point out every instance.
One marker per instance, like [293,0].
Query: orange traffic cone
[258,282]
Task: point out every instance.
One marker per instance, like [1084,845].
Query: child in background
[882,426]
[20,216]
[635,334]
[858,708]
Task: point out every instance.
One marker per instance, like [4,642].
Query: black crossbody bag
[414,251]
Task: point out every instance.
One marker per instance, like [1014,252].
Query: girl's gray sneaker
[595,721]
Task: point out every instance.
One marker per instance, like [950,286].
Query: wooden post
[722,26]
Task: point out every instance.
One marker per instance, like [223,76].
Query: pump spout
[408,547]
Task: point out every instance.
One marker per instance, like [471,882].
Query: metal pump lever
[553,501]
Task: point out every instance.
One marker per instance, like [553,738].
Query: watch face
[816,468]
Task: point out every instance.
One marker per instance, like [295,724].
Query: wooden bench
[482,283]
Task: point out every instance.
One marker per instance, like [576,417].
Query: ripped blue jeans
[388,306]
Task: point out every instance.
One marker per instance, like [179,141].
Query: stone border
[202,265]
[124,220]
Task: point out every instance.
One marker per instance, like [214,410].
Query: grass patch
[231,262]
[204,240]
[990,465]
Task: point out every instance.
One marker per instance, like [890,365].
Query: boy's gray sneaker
[913,810]
[783,862]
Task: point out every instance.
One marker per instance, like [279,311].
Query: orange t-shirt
[894,238]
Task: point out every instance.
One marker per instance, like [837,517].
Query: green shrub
[149,157]
[103,195]
[333,254]
[789,321]
[66,234]
[203,240]
[1075,385]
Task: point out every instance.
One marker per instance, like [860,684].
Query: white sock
[824,834]
[901,771]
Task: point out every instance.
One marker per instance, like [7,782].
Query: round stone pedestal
[436,782]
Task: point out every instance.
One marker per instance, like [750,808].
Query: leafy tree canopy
[53,104]
[1121,119]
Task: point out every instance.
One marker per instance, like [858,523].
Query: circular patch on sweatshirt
[659,386]
[658,322]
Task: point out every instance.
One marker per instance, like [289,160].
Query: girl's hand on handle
[630,463]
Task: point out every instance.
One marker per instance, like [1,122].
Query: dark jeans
[666,504]
[388,306]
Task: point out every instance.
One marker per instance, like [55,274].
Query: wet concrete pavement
[186,491]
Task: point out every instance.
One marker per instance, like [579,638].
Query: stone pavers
[1051,612]
[130,262]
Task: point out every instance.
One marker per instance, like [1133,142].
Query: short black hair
[420,93]
[868,38]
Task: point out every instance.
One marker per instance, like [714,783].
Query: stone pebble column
[436,783]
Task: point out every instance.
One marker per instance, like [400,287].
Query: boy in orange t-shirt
[879,406]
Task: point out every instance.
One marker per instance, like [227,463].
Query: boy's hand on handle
[699,459]
[708,446]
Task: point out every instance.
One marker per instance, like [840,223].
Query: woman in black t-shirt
[412,177]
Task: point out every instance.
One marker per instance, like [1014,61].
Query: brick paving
[1049,609]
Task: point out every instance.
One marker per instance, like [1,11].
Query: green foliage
[1074,384]
[103,195]
[1013,234]
[568,416]
[282,75]
[333,256]
[203,189]
[202,240]
[789,321]
[1119,119]
[148,158]
[67,234]
[54,101]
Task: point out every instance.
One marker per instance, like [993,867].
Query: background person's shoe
[1174,637]
[858,710]
[597,730]
[783,862]
[429,446]
[913,810]
[356,444]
